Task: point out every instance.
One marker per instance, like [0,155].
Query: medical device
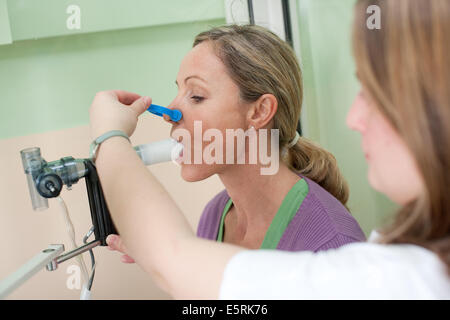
[46,180]
[174,114]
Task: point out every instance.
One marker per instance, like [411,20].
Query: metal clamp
[49,258]
[53,264]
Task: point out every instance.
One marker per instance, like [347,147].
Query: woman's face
[206,94]
[392,168]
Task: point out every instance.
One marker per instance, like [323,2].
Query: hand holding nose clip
[174,114]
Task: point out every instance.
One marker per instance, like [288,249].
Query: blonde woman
[402,113]
[246,78]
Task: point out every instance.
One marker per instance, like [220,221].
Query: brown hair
[405,66]
[259,62]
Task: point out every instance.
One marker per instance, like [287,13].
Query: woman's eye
[197,98]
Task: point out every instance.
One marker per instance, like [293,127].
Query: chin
[372,179]
[376,182]
[192,172]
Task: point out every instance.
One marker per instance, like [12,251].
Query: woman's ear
[262,111]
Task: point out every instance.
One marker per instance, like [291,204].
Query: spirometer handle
[101,218]
[151,153]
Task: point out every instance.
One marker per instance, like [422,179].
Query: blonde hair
[405,67]
[259,62]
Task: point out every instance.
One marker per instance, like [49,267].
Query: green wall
[49,74]
[330,87]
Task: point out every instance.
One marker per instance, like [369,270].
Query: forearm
[154,229]
[148,220]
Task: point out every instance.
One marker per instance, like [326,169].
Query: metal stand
[49,258]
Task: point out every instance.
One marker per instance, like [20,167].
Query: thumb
[141,104]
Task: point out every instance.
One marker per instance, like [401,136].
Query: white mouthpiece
[159,151]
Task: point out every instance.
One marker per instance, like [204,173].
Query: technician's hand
[115,243]
[116,110]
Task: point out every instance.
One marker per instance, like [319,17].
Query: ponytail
[319,165]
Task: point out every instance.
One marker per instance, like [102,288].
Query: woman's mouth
[179,153]
[179,159]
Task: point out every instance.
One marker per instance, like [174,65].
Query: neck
[256,197]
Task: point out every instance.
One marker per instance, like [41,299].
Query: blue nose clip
[174,114]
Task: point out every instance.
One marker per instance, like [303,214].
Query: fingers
[140,105]
[126,97]
[115,243]
[134,100]
[127,259]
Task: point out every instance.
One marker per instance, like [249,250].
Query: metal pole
[77,251]
[251,14]
[48,258]
[25,272]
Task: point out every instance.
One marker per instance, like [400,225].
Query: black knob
[49,185]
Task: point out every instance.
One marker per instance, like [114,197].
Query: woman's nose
[167,119]
[355,117]
[172,105]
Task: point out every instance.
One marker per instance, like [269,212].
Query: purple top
[321,222]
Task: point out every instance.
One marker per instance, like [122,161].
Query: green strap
[285,214]
[224,213]
[103,137]
[288,209]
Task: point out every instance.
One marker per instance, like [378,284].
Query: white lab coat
[365,270]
